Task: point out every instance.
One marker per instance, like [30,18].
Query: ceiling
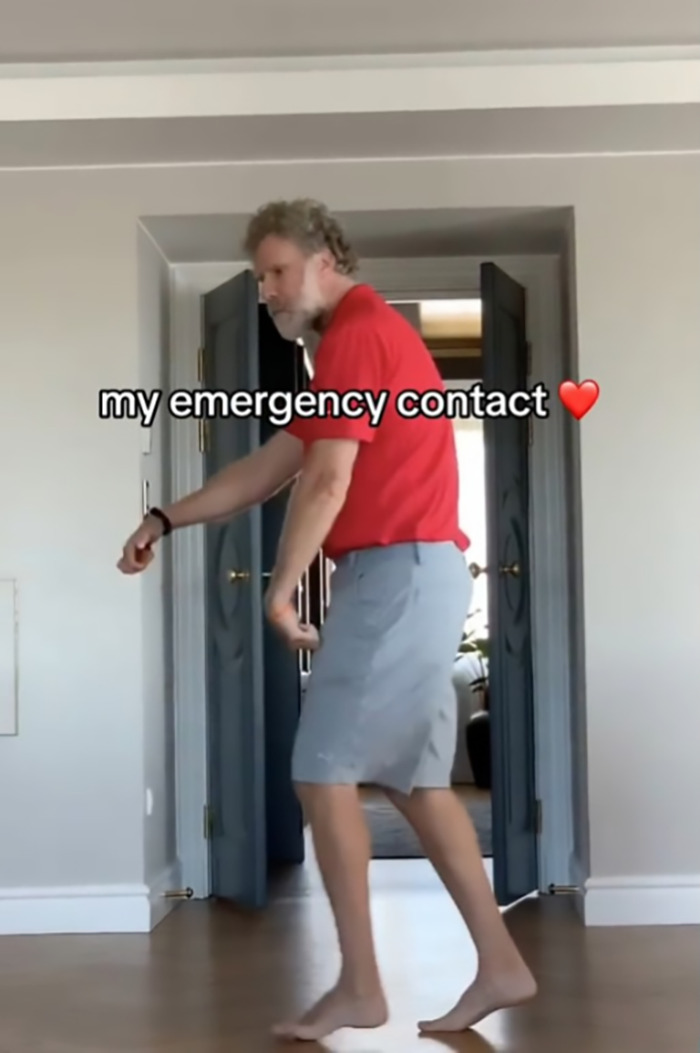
[523,132]
[379,235]
[84,30]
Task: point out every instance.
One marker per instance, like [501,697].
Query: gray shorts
[380,706]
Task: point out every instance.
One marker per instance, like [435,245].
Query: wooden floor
[211,981]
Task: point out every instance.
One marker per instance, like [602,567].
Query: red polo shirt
[405,482]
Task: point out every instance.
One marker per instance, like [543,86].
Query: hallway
[210,981]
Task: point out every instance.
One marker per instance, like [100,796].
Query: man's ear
[327,260]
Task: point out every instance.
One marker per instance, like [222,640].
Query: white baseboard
[664,900]
[74,909]
[170,880]
[84,909]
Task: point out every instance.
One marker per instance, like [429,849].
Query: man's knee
[312,796]
[304,790]
[317,797]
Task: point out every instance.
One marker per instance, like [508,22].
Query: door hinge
[202,425]
[203,435]
[208,823]
[530,431]
[538,817]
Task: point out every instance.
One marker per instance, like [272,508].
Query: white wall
[71,783]
[69,325]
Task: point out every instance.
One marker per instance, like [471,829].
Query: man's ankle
[360,987]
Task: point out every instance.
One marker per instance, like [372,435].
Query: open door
[505,367]
[234,614]
[281,369]
[251,716]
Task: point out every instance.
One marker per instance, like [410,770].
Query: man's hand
[138,550]
[282,615]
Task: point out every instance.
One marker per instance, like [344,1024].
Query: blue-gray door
[281,368]
[505,367]
[253,689]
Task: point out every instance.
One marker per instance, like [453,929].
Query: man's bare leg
[449,840]
[342,845]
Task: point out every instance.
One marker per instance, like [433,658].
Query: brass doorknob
[509,568]
[244,575]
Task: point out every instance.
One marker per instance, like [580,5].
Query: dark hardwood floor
[211,981]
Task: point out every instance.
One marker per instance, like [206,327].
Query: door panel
[505,353]
[234,614]
[281,369]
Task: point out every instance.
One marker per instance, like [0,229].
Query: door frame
[411,278]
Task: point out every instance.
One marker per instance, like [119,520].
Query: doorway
[409,280]
[452,331]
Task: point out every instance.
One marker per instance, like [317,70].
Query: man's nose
[267,290]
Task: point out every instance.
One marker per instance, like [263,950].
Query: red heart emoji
[579,398]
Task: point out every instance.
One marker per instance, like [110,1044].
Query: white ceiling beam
[377,84]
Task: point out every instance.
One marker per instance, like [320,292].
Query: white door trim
[188,284]
[410,278]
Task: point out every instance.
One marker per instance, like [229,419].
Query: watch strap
[160,514]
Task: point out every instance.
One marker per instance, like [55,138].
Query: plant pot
[478,741]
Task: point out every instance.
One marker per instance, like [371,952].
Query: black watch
[160,514]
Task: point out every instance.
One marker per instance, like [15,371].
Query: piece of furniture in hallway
[478,742]
[466,671]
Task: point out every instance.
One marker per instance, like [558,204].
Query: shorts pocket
[382,593]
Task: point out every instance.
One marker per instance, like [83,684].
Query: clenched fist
[138,550]
[283,616]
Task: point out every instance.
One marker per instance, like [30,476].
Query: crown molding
[351,84]
[320,63]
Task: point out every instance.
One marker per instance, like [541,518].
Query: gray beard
[292,327]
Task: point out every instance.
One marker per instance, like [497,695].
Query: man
[381,498]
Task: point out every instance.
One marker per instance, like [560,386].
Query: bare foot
[485,996]
[336,1009]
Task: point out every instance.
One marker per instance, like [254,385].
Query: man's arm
[241,485]
[351,361]
[313,507]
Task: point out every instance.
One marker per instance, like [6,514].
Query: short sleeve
[350,362]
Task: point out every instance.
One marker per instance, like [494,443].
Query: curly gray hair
[308,224]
